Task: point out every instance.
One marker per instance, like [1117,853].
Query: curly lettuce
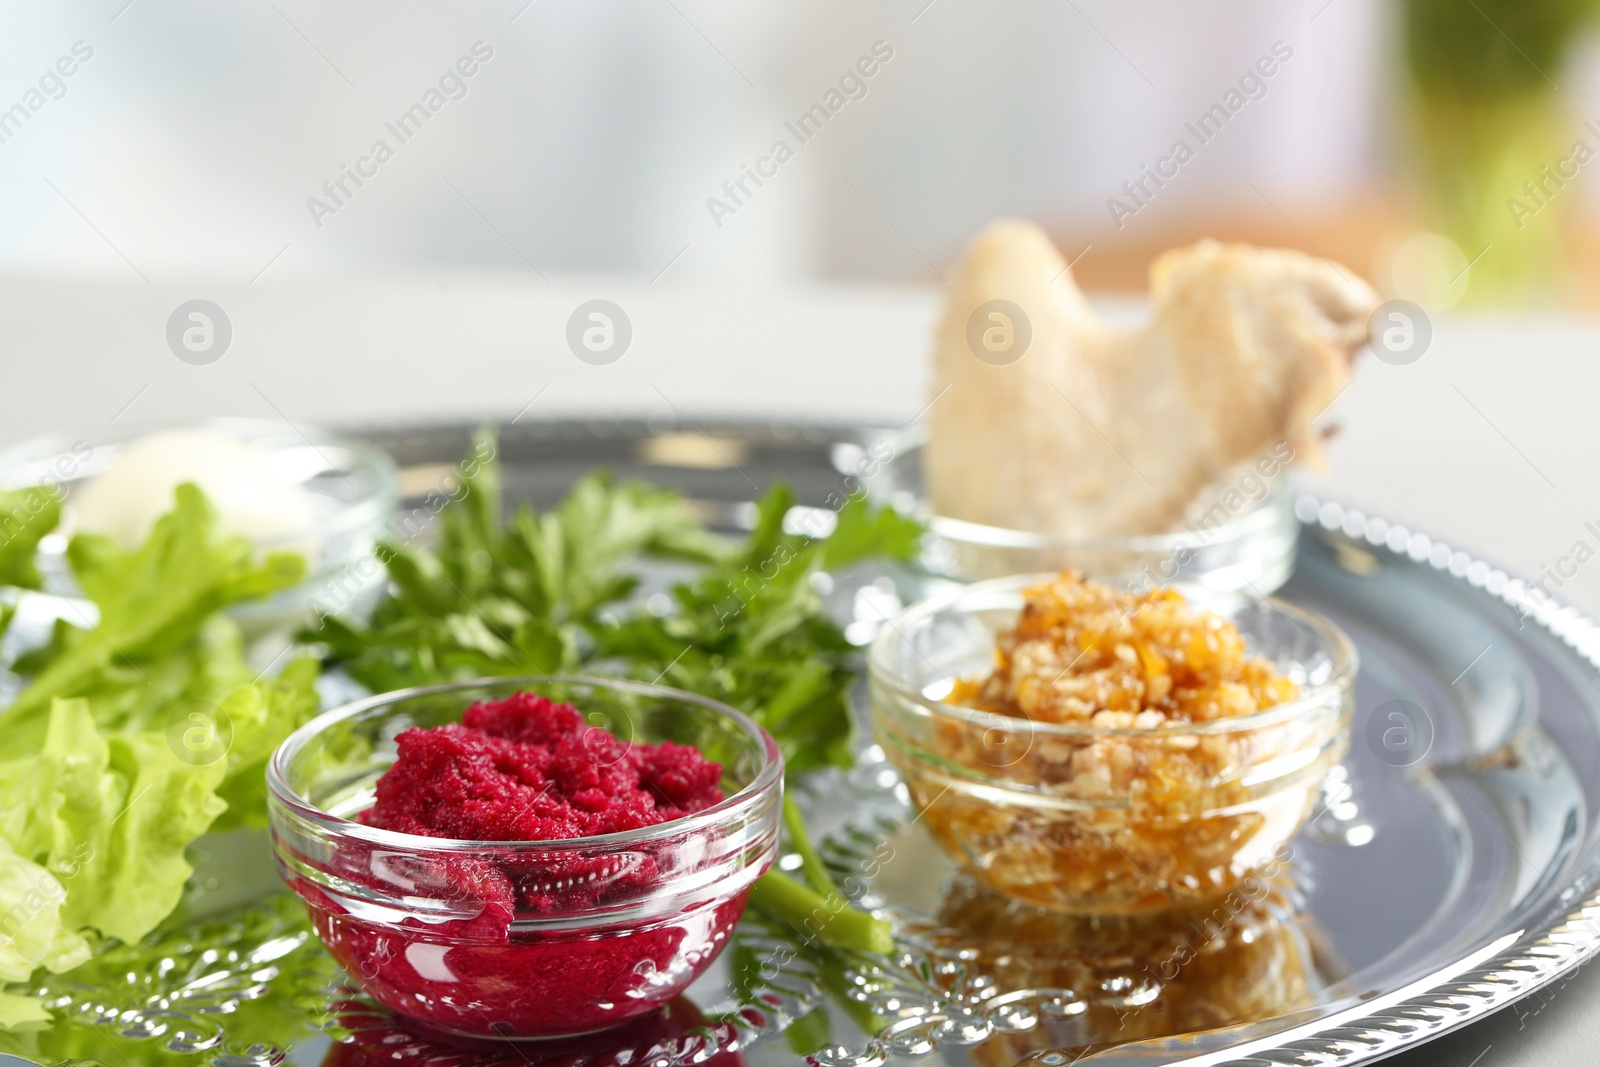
[26,516]
[134,734]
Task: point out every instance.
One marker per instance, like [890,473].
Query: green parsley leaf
[547,592]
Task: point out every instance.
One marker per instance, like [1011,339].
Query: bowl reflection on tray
[515,939]
[674,1033]
[1136,977]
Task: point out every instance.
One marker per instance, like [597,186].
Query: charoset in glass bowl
[1107,820]
[600,929]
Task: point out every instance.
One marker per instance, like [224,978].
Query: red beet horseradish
[523,872]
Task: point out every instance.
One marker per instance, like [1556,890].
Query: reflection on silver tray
[1450,869]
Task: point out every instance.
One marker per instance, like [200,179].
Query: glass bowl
[625,921]
[352,492]
[1242,536]
[1107,821]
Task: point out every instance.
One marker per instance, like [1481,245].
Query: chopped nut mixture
[1085,653]
[1121,822]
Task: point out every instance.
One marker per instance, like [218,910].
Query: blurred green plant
[1486,116]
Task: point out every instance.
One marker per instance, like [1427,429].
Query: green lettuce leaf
[33,932]
[18,1011]
[261,715]
[110,817]
[153,601]
[134,875]
[26,515]
[133,737]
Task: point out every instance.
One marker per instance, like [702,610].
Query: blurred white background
[592,140]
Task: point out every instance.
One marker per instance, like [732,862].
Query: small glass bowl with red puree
[526,858]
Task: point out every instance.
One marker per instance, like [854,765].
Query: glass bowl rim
[769,775]
[1338,646]
[907,443]
[374,507]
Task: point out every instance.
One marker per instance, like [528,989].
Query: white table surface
[1489,441]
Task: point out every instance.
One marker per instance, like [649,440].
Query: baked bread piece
[1103,432]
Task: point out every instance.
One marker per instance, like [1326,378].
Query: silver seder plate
[1450,869]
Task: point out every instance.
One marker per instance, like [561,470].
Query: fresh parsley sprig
[550,592]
